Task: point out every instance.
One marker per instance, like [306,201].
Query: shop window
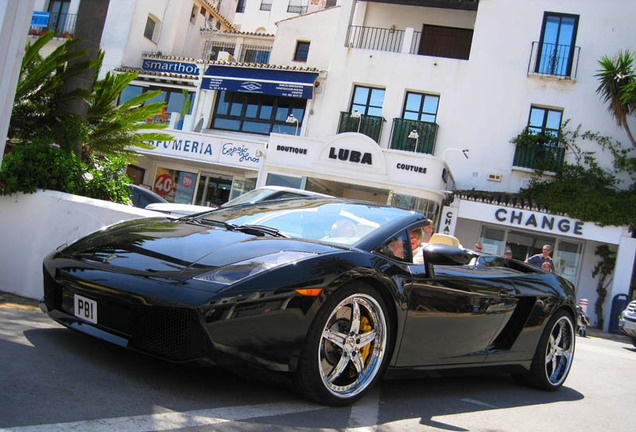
[566,254]
[150,31]
[410,202]
[213,190]
[302,51]
[368,100]
[129,92]
[448,42]
[284,180]
[175,186]
[556,47]
[256,113]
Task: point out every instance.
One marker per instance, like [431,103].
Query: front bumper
[627,326]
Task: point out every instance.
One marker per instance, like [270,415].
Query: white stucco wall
[319,28]
[484,101]
[33,225]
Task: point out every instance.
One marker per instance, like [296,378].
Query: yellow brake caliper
[365,327]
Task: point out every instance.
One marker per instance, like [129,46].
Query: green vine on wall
[584,189]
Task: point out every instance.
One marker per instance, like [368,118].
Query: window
[297,6]
[193,14]
[548,156]
[397,247]
[256,113]
[284,180]
[240,6]
[449,42]
[421,107]
[302,51]
[556,47]
[212,49]
[254,54]
[330,3]
[546,121]
[367,100]
[149,31]
[266,5]
[203,12]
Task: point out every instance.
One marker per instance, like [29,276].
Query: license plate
[85,309]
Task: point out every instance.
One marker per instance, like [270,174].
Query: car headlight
[233,273]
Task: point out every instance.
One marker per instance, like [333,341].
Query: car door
[454,316]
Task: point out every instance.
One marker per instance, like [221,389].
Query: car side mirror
[443,254]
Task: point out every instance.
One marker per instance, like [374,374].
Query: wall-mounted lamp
[356,115]
[414,135]
[292,119]
[464,152]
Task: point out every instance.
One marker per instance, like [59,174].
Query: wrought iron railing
[554,60]
[299,9]
[254,54]
[375,38]
[423,136]
[368,125]
[546,157]
[63,24]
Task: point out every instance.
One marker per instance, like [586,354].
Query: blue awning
[265,81]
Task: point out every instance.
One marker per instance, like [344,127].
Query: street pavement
[53,379]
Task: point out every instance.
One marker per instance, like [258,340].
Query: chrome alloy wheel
[352,345]
[559,351]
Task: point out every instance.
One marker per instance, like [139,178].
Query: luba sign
[154,65]
[350,156]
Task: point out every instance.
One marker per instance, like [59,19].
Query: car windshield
[337,222]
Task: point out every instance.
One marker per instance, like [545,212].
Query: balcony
[559,61]
[63,24]
[368,125]
[547,157]
[426,135]
[446,4]
[375,38]
[299,9]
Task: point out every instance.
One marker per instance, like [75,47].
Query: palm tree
[617,87]
[118,129]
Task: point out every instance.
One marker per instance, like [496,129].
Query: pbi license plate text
[85,309]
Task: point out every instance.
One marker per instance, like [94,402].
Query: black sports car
[324,289]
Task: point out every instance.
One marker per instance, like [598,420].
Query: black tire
[343,357]
[633,340]
[553,358]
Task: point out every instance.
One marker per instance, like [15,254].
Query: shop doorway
[213,190]
[347,190]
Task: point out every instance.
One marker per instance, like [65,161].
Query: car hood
[164,247]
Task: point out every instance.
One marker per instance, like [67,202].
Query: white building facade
[399,102]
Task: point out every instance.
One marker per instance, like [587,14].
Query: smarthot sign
[154,65]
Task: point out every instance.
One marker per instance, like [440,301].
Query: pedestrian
[427,230]
[542,258]
[508,253]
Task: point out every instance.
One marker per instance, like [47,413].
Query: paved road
[53,379]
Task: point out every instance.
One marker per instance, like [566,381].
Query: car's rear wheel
[347,347]
[633,340]
[553,358]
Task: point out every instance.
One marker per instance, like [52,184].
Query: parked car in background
[627,321]
[141,197]
[267,193]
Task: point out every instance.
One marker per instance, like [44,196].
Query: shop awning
[297,84]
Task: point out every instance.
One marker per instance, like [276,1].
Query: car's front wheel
[553,358]
[347,347]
